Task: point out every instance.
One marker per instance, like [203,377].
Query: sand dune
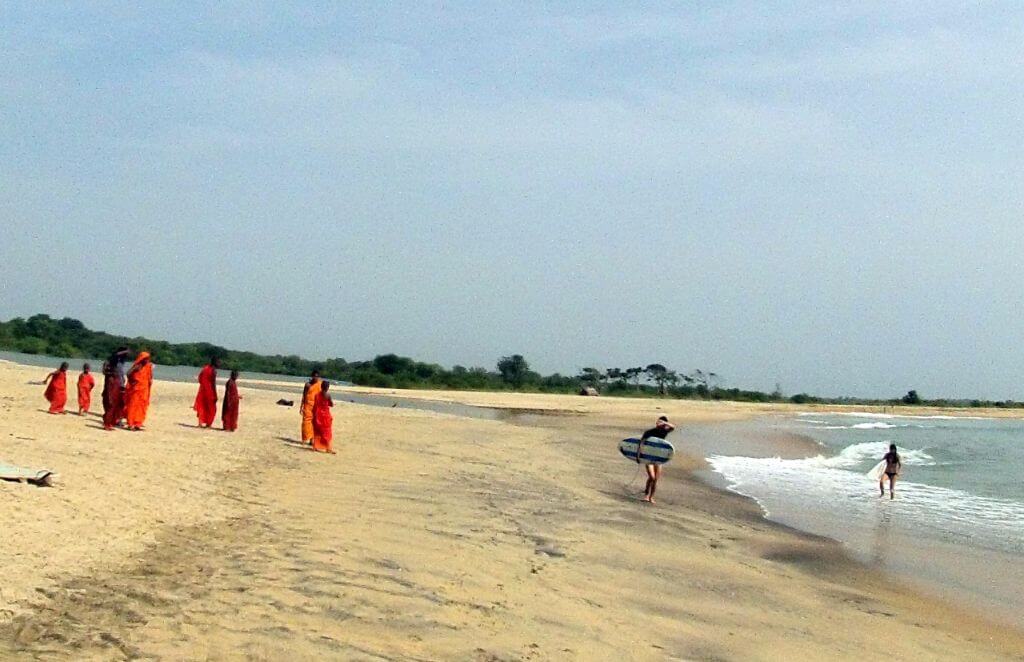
[429,537]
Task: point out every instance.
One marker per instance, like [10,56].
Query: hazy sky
[827,195]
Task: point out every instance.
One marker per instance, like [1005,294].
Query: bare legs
[653,474]
[892,485]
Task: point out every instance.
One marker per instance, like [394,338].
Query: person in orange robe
[136,395]
[206,400]
[229,411]
[57,389]
[309,394]
[323,421]
[113,389]
[85,385]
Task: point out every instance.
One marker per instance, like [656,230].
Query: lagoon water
[957,523]
[174,373]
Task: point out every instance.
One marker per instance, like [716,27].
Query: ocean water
[957,523]
[173,373]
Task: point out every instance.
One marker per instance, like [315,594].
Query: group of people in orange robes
[126,396]
[317,428]
[127,393]
[206,399]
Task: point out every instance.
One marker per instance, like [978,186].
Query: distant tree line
[69,338]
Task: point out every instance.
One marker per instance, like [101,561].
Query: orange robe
[307,410]
[57,392]
[229,412]
[86,382]
[206,400]
[323,423]
[136,395]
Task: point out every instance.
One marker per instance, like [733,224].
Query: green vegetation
[69,338]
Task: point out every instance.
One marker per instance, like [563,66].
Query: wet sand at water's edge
[427,537]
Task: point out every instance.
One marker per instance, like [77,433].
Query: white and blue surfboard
[654,451]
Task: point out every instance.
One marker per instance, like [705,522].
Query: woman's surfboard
[655,451]
[876,471]
[23,475]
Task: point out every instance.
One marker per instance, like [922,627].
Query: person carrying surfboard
[659,431]
[893,465]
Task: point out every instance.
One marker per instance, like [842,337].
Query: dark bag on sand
[285,403]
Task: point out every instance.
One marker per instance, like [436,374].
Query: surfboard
[876,471]
[23,475]
[655,451]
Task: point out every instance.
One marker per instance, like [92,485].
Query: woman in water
[893,464]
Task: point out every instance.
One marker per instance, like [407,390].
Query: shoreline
[546,534]
[763,441]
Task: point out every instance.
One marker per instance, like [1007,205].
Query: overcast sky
[828,196]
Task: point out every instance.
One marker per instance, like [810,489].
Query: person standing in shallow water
[57,389]
[229,411]
[86,383]
[893,466]
[323,420]
[659,431]
[309,393]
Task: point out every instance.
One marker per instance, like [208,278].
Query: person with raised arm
[57,389]
[659,431]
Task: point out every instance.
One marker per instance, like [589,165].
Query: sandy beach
[428,537]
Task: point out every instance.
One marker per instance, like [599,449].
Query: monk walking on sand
[206,400]
[323,420]
[136,396]
[113,389]
[309,394]
[86,383]
[57,389]
[229,412]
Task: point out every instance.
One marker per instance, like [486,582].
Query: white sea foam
[874,425]
[855,455]
[868,414]
[835,487]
